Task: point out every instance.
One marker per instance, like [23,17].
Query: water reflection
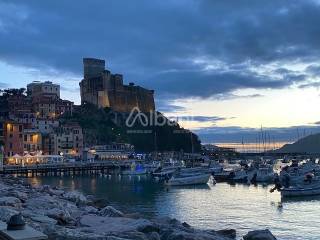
[219,206]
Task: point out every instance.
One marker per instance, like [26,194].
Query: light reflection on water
[210,207]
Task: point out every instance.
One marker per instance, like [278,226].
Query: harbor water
[219,206]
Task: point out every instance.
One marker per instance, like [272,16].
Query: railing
[81,165]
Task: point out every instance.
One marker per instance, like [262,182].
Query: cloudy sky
[224,67]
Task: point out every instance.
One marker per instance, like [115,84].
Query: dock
[78,168]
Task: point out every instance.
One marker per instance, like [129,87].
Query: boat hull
[191,180]
[300,192]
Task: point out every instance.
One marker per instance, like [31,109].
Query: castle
[104,89]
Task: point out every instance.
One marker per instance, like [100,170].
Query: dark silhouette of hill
[309,144]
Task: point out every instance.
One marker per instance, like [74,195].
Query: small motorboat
[301,191]
[188,180]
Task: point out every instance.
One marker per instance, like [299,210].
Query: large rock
[110,212]
[62,233]
[76,197]
[100,224]
[22,196]
[99,202]
[259,235]
[6,213]
[62,216]
[10,201]
[44,219]
[229,233]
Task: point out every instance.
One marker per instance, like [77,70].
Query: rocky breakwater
[71,215]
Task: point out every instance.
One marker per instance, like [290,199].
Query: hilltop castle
[104,89]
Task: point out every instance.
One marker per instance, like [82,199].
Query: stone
[133,235]
[76,197]
[62,233]
[6,213]
[27,233]
[44,219]
[101,224]
[10,201]
[100,203]
[153,236]
[110,212]
[63,217]
[186,225]
[229,233]
[259,235]
[20,195]
[91,209]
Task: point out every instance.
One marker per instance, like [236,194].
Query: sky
[223,68]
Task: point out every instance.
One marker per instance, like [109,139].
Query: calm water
[217,206]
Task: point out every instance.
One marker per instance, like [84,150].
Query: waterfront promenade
[67,168]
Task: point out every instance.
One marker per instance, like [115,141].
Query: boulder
[153,236]
[90,209]
[63,217]
[229,233]
[259,235]
[22,196]
[6,213]
[62,233]
[132,235]
[76,197]
[110,212]
[10,201]
[99,203]
[44,219]
[101,224]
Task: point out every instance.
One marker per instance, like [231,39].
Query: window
[20,135]
[25,138]
[20,128]
[10,145]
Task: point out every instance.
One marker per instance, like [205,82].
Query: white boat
[301,191]
[264,175]
[190,180]
[166,171]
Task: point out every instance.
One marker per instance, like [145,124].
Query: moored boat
[301,191]
[189,180]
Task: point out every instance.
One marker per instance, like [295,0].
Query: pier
[67,168]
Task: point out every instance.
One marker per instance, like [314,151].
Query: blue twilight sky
[224,67]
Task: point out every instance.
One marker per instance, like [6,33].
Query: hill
[309,144]
[103,126]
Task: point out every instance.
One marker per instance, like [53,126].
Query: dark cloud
[168,106]
[310,84]
[180,49]
[239,134]
[198,118]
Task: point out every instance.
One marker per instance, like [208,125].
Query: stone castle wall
[104,89]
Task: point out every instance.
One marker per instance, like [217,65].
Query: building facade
[67,140]
[104,89]
[13,138]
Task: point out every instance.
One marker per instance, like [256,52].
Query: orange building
[13,138]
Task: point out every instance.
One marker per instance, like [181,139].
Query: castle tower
[93,67]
